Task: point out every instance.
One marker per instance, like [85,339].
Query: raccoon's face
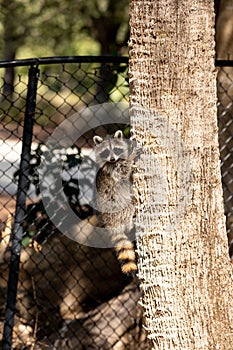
[111,150]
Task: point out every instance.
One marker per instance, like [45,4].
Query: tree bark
[9,49]
[184,267]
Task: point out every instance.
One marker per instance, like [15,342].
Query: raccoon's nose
[112,159]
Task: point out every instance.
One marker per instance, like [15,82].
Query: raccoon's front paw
[136,153]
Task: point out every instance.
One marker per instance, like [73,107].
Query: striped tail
[126,256]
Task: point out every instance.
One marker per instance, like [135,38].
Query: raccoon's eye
[105,154]
[118,151]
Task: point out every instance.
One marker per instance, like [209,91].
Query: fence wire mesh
[70,295]
[225,125]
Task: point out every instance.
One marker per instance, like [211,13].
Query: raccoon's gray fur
[114,199]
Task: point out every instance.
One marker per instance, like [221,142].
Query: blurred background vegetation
[43,28]
[35,28]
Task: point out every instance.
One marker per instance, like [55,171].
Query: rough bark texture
[186,276]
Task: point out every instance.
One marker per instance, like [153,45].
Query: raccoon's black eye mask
[105,154]
[117,151]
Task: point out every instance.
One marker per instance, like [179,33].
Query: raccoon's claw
[135,153]
[138,152]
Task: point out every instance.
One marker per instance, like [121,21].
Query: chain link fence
[225,124]
[69,295]
[57,293]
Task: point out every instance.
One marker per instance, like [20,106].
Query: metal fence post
[23,185]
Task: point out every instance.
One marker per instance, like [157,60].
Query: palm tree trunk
[184,268]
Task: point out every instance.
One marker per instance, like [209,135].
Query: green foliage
[59,27]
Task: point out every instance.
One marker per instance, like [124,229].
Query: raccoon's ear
[97,140]
[118,134]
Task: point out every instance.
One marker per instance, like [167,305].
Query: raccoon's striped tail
[126,255]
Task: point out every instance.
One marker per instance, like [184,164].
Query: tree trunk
[9,76]
[184,268]
[11,41]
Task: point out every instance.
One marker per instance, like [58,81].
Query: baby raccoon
[114,199]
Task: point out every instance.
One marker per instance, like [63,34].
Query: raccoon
[114,199]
